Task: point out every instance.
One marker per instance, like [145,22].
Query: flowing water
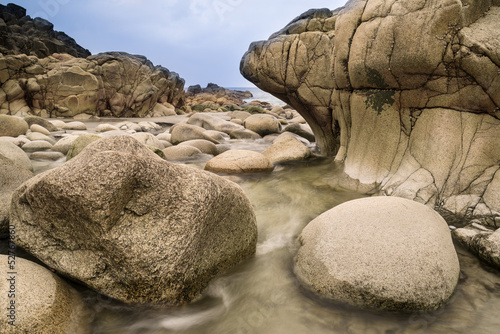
[262,296]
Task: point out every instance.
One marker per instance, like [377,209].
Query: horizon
[201,40]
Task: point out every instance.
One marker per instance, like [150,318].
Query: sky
[202,40]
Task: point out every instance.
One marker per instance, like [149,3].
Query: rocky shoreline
[95,153]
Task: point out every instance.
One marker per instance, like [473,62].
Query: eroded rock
[414,112]
[109,84]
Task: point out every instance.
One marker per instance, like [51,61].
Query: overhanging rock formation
[405,92]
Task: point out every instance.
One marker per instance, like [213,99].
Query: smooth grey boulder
[212,122]
[15,154]
[263,124]
[37,145]
[133,226]
[185,132]
[12,126]
[11,177]
[383,253]
[244,134]
[239,161]
[34,120]
[287,148]
[39,129]
[180,152]
[301,130]
[148,139]
[44,302]
[80,143]
[64,144]
[204,146]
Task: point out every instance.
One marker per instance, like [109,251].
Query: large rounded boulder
[133,226]
[11,126]
[383,253]
[34,300]
[11,177]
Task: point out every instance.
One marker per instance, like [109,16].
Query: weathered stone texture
[405,92]
[108,84]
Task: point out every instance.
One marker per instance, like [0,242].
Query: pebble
[75,126]
[39,129]
[37,145]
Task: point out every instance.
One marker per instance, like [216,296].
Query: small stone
[179,153]
[106,128]
[75,126]
[239,161]
[37,145]
[40,129]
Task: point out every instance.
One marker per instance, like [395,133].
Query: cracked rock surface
[132,226]
[113,84]
[405,92]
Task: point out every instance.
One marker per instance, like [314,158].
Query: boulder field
[406,93]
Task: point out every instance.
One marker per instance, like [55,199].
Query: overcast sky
[202,40]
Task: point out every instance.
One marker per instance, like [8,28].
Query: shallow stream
[262,295]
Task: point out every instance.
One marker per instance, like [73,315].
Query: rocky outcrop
[108,84]
[405,92]
[214,96]
[43,302]
[19,33]
[131,225]
[380,253]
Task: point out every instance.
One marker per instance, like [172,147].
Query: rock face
[20,33]
[382,253]
[44,302]
[412,111]
[131,225]
[11,177]
[108,84]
